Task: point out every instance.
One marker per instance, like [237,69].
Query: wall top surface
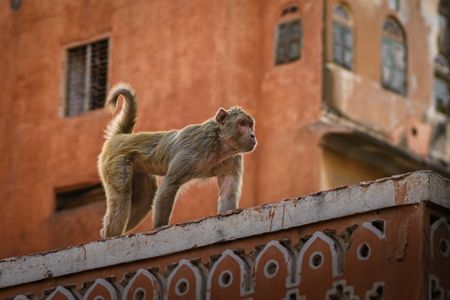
[406,189]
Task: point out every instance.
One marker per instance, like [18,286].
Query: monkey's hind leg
[117,211]
[144,187]
[117,186]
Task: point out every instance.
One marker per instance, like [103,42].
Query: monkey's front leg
[229,191]
[164,201]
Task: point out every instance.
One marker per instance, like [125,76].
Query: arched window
[393,57]
[342,37]
[288,36]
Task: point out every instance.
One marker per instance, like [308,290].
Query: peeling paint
[405,12]
[429,13]
[421,186]
[346,84]
[373,5]
[393,114]
[413,83]
[401,192]
[402,242]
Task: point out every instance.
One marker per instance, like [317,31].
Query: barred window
[393,57]
[342,37]
[441,86]
[86,77]
[288,41]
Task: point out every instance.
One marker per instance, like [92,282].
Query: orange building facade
[335,101]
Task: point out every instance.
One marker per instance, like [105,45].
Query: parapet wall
[387,239]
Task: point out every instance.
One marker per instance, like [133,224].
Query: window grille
[86,77]
[341,12]
[342,38]
[391,27]
[441,66]
[393,57]
[441,86]
[441,95]
[288,41]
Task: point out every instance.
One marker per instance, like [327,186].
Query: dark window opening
[86,77]
[441,86]
[444,28]
[78,197]
[393,57]
[15,4]
[288,42]
[289,10]
[441,66]
[441,96]
[379,224]
[342,37]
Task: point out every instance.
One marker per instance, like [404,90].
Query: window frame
[345,23]
[83,64]
[441,74]
[288,48]
[393,37]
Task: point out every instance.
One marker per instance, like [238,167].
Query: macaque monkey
[129,163]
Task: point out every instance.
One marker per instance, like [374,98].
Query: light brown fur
[129,163]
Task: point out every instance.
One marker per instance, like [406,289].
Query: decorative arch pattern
[322,265]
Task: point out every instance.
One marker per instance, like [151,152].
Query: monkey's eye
[242,123]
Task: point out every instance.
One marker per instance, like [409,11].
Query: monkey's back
[131,149]
[153,151]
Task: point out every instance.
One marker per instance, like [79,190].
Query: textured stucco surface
[408,189]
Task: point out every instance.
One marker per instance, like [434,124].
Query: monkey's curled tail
[124,122]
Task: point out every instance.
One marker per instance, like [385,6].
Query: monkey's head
[236,129]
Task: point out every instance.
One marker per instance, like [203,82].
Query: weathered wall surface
[185,60]
[385,130]
[387,239]
[290,104]
[340,170]
[410,120]
[353,92]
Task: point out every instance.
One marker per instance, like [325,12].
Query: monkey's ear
[221,116]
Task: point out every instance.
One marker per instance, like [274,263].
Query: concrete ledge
[407,189]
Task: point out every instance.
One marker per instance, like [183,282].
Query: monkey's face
[237,129]
[246,139]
